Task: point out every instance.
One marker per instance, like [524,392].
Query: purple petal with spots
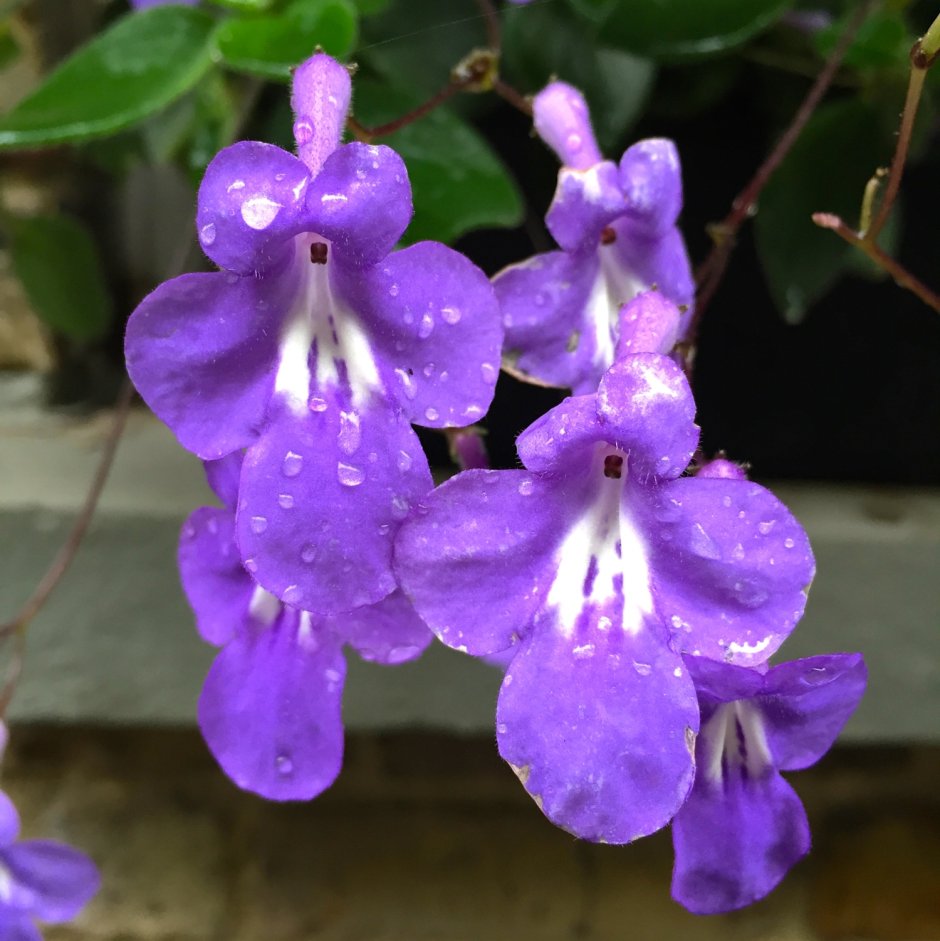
[735,842]
[732,567]
[651,180]
[561,440]
[599,727]
[218,588]
[489,537]
[201,350]
[806,703]
[585,202]
[251,201]
[561,119]
[223,475]
[550,329]
[17,927]
[322,493]
[9,821]
[389,631]
[717,682]
[270,709]
[361,201]
[432,315]
[648,324]
[49,880]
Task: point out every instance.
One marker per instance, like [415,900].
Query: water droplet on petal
[349,432]
[450,315]
[526,487]
[428,370]
[308,553]
[385,529]
[293,464]
[726,501]
[285,501]
[574,143]
[404,461]
[348,475]
[258,524]
[502,728]
[400,507]
[431,414]
[393,290]
[251,565]
[207,234]
[765,527]
[303,131]
[292,594]
[490,373]
[317,403]
[644,669]
[285,767]
[737,553]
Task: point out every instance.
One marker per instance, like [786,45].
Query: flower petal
[361,202]
[735,841]
[433,319]
[550,304]
[322,493]
[222,476]
[270,709]
[476,558]
[562,439]
[806,703]
[50,880]
[585,202]
[651,180]
[201,350]
[389,631]
[732,567]
[251,201]
[215,582]
[9,820]
[17,927]
[599,728]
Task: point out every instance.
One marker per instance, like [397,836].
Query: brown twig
[901,275]
[494,37]
[369,134]
[711,271]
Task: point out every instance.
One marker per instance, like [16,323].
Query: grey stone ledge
[115,643]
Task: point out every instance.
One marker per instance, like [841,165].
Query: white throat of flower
[604,546]
[613,286]
[734,739]
[318,316]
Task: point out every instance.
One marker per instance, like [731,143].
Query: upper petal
[322,493]
[388,631]
[16,926]
[806,703]
[251,201]
[732,567]
[270,709]
[222,476]
[50,880]
[9,820]
[361,202]
[218,588]
[434,323]
[651,180]
[585,202]
[475,557]
[599,728]
[201,350]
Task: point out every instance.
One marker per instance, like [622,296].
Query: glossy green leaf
[57,262]
[270,46]
[826,171]
[130,71]
[677,29]
[882,41]
[542,43]
[246,6]
[458,182]
[371,7]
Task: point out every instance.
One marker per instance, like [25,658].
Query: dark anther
[608,235]
[318,252]
[613,466]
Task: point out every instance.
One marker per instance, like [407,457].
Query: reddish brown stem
[514,97]
[491,19]
[710,272]
[369,134]
[901,275]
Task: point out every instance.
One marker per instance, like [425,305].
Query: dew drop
[207,234]
[644,669]
[317,403]
[292,594]
[737,553]
[788,543]
[526,487]
[490,373]
[303,131]
[574,143]
[285,767]
[426,326]
[726,501]
[350,434]
[385,529]
[450,315]
[393,290]
[279,177]
[251,565]
[348,475]
[258,524]
[292,465]
[431,414]
[409,386]
[235,185]
[404,461]
[308,553]
[400,508]
[540,299]
[285,501]
[765,527]
[428,370]
[502,729]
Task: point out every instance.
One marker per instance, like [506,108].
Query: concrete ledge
[115,644]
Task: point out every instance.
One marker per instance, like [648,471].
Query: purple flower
[315,349]
[743,826]
[39,879]
[599,564]
[616,226]
[270,710]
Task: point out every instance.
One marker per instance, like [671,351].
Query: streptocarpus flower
[599,565]
[616,225]
[270,710]
[39,879]
[315,349]
[743,826]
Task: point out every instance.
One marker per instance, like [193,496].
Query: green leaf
[542,43]
[882,41]
[57,262]
[678,29]
[826,171]
[138,66]
[458,182]
[9,49]
[270,46]
[245,6]
[370,7]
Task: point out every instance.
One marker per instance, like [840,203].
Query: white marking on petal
[750,649]
[613,287]
[725,748]
[259,212]
[264,607]
[334,198]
